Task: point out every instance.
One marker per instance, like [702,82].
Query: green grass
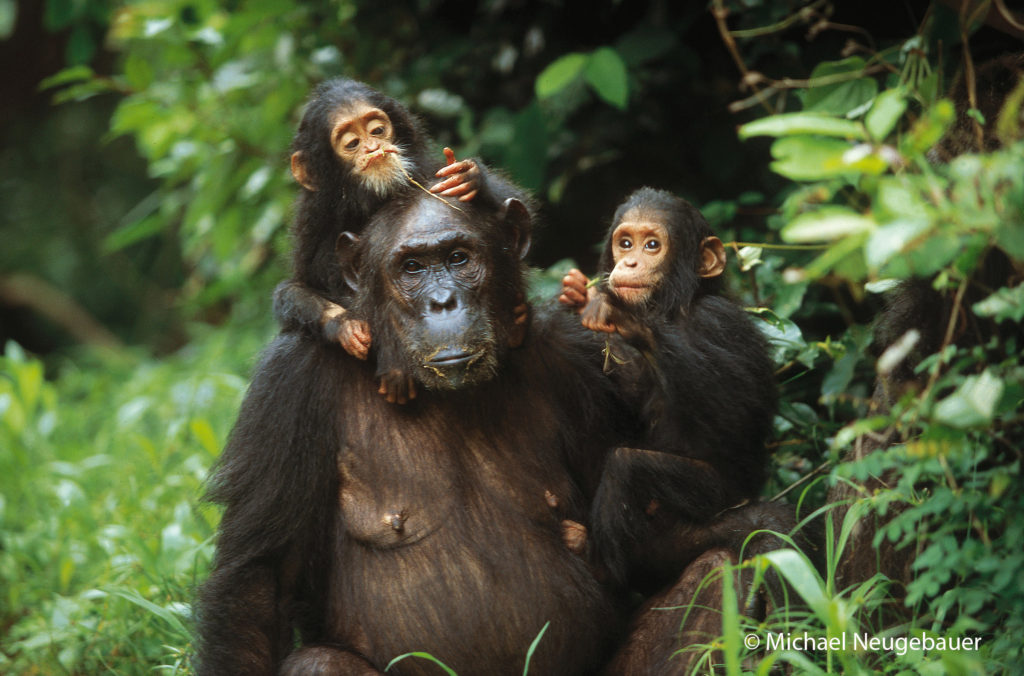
[102,537]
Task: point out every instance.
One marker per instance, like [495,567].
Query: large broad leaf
[891,239]
[826,224]
[838,94]
[606,73]
[791,124]
[527,158]
[900,197]
[559,74]
[973,404]
[644,44]
[1010,236]
[885,112]
[926,257]
[1005,303]
[809,158]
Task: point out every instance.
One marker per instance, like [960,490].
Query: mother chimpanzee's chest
[407,471]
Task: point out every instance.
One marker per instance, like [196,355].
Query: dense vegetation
[827,191]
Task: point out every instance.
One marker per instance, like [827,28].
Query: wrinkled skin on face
[439,277]
[355,151]
[363,137]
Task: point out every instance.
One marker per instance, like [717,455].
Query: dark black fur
[703,381]
[341,203]
[373,530]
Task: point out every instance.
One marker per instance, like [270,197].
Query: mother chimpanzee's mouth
[453,356]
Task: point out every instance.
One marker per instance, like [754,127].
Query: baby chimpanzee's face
[640,249]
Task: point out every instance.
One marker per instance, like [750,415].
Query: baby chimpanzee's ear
[712,257]
[301,172]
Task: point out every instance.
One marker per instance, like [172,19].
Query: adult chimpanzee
[355,150]
[702,374]
[373,530]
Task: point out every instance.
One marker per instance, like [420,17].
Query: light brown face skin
[640,249]
[362,136]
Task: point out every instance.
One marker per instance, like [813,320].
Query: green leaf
[559,74]
[533,647]
[1010,236]
[790,124]
[423,656]
[645,44]
[138,71]
[58,14]
[795,568]
[841,97]
[837,380]
[606,73]
[204,433]
[133,232]
[1006,303]
[844,255]
[973,404]
[897,197]
[925,258]
[168,615]
[72,74]
[891,239]
[809,158]
[526,158]
[826,224]
[887,110]
[81,44]
[928,129]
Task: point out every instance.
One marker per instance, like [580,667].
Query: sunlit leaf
[791,124]
[809,158]
[840,97]
[559,74]
[897,197]
[826,224]
[973,404]
[1007,303]
[891,239]
[66,76]
[928,129]
[805,580]
[606,73]
[886,111]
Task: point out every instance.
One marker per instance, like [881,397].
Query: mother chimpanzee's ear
[516,218]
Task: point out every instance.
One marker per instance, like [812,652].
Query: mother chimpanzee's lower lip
[452,357]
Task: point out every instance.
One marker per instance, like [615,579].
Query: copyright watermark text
[898,645]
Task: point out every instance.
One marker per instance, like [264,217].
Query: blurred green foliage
[102,536]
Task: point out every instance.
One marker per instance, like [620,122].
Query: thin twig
[418,185]
[801,14]
[720,13]
[969,80]
[802,480]
[948,338]
[781,247]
